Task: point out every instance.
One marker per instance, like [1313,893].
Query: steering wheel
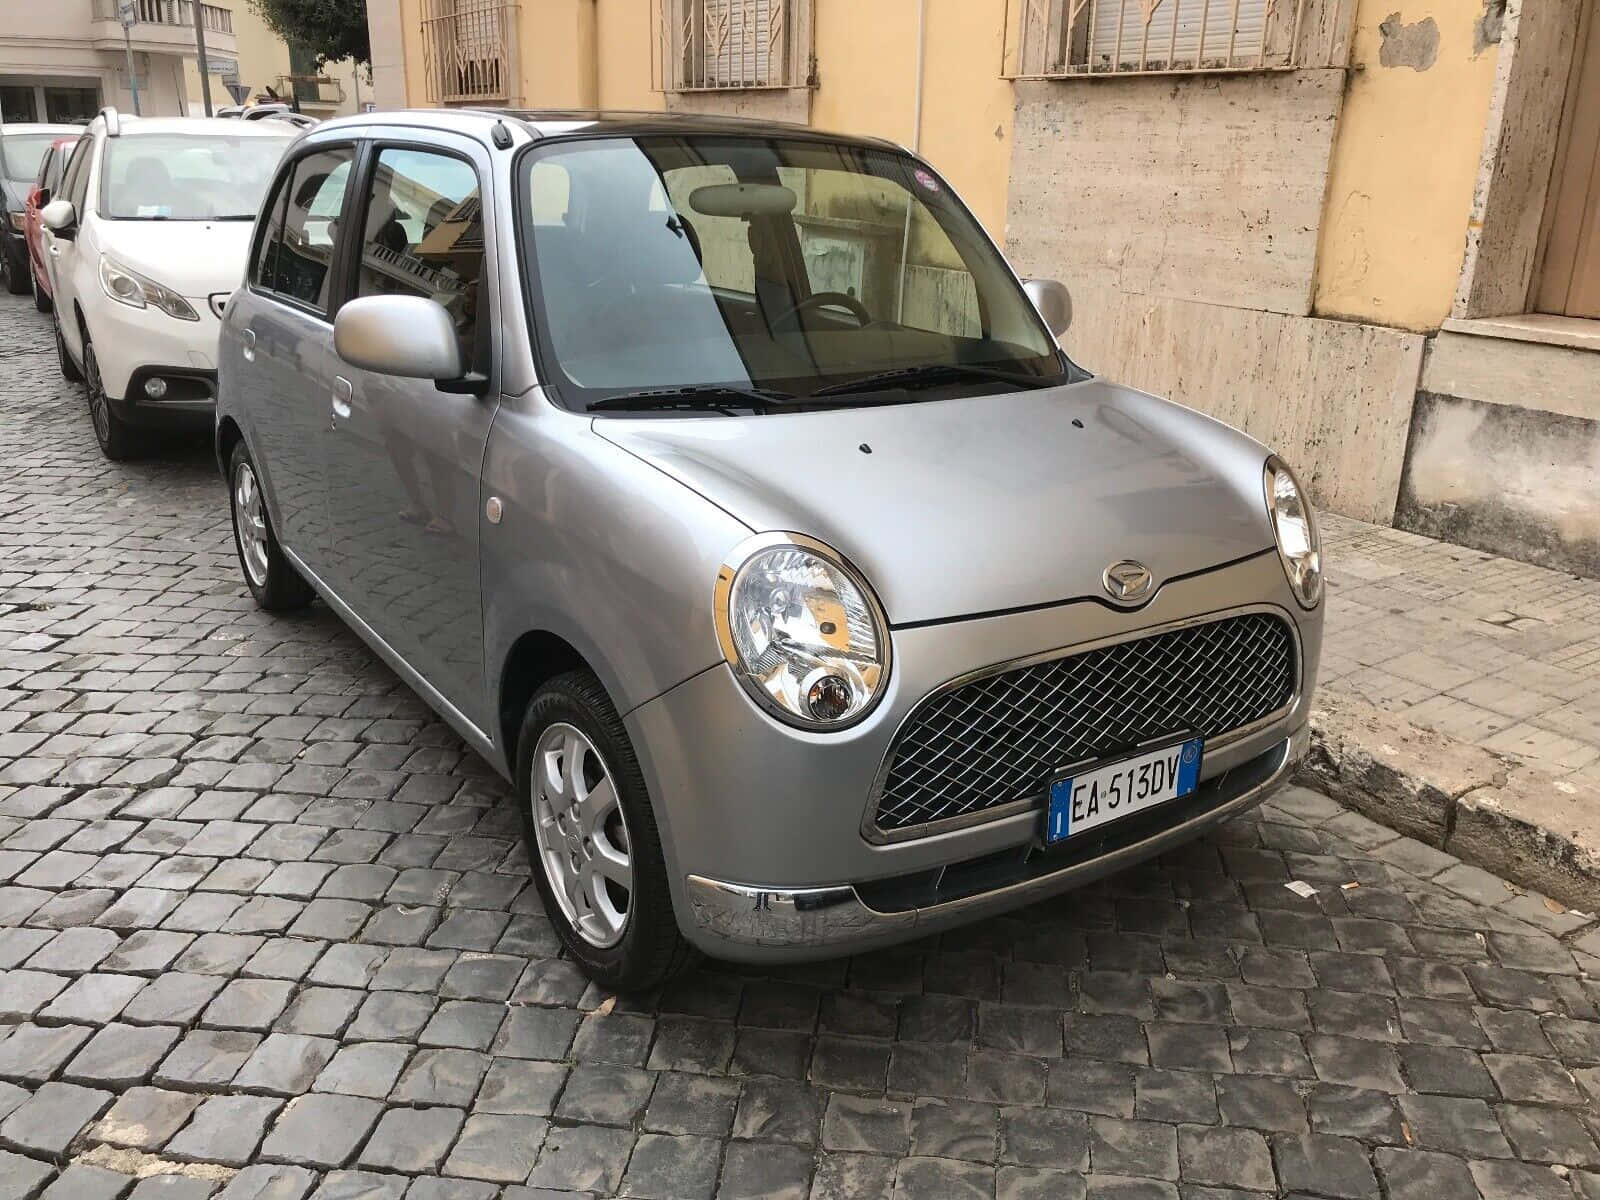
[857,309]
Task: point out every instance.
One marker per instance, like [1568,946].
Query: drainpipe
[916,145]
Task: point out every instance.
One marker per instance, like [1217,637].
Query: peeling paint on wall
[1486,29]
[1415,45]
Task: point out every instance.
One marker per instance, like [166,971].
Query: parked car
[723,487]
[22,148]
[45,185]
[146,242]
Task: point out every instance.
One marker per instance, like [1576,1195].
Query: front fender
[600,549]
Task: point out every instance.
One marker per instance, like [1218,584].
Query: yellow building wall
[1405,162]
[867,62]
[626,39]
[411,37]
[263,55]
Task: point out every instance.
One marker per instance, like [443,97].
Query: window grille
[469,50]
[711,45]
[1052,39]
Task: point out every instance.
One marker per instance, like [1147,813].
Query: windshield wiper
[698,397]
[929,374]
[234,217]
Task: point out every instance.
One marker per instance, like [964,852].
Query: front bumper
[131,344]
[832,920]
[764,827]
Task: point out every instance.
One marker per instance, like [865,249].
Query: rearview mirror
[1050,297]
[408,336]
[745,200]
[59,217]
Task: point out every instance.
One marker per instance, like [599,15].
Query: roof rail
[113,121]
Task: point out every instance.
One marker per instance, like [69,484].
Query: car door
[44,186]
[68,257]
[285,326]
[404,456]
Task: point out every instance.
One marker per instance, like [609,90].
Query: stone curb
[1532,828]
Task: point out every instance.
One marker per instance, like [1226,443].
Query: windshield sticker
[153,210]
[926,179]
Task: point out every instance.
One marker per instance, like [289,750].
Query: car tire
[40,300]
[571,735]
[16,283]
[69,369]
[118,440]
[268,573]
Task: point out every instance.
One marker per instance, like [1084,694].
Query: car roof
[136,126]
[544,123]
[18,128]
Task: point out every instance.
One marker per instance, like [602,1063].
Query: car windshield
[188,177]
[694,266]
[23,153]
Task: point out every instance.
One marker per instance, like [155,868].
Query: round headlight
[802,631]
[1294,524]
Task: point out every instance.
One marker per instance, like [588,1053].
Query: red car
[45,186]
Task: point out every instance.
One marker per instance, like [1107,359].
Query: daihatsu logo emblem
[1127,581]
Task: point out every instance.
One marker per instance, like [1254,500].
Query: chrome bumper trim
[835,915]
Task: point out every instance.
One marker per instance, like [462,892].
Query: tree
[329,29]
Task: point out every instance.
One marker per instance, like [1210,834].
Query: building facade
[1368,235]
[63,60]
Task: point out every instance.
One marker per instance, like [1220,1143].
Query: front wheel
[270,576]
[118,440]
[592,837]
[11,275]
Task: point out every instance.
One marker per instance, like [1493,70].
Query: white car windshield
[188,177]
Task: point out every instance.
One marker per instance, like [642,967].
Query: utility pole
[128,14]
[200,44]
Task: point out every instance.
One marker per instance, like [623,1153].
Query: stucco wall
[1406,159]
[1196,188]
[1505,450]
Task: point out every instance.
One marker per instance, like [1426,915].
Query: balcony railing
[170,12]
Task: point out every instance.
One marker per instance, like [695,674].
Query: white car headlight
[1295,526]
[136,291]
[802,631]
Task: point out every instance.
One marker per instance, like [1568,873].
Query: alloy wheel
[582,836]
[99,410]
[251,522]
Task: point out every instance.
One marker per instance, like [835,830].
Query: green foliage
[329,29]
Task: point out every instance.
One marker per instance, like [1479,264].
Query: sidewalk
[1460,703]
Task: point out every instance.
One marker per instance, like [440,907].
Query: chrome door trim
[879,837]
[452,716]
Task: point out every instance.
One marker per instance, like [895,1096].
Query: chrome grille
[998,740]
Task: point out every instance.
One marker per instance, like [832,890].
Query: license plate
[1097,795]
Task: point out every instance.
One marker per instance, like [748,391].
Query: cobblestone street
[267,932]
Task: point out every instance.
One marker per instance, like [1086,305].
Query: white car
[145,242]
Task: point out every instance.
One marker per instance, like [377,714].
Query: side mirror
[1050,297]
[59,217]
[407,336]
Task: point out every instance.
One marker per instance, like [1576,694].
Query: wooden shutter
[1569,283]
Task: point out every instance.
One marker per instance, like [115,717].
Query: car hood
[984,504]
[193,258]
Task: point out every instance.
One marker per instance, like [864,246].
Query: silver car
[723,487]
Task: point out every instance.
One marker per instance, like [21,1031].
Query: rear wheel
[12,275]
[40,300]
[271,578]
[118,440]
[69,369]
[592,837]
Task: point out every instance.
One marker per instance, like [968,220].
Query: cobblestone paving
[1486,650]
[265,932]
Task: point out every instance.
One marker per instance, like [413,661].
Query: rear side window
[75,183]
[296,255]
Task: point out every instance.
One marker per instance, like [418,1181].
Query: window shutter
[1244,29]
[744,42]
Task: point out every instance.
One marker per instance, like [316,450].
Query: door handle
[342,391]
[248,337]
[55,251]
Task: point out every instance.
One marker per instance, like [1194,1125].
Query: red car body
[42,192]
